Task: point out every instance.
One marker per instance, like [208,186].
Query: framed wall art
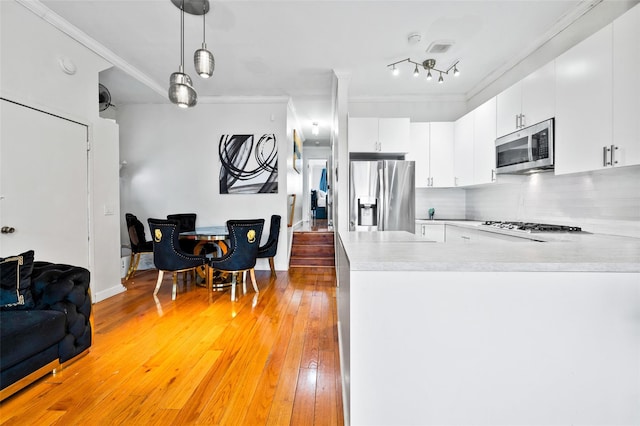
[249,165]
[297,152]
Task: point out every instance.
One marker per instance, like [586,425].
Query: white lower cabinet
[431,231]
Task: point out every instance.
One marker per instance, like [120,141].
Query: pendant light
[202,58]
[181,90]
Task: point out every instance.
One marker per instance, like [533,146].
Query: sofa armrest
[65,288]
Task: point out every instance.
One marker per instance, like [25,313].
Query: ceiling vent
[439,47]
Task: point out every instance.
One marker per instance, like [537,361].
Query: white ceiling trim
[81,37]
[243,99]
[563,23]
[409,98]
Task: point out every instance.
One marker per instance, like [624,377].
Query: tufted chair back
[187,221]
[244,236]
[167,255]
[271,246]
[137,238]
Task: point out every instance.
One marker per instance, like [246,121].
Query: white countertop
[403,251]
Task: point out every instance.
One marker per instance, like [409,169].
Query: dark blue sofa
[36,340]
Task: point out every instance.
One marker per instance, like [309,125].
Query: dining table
[216,234]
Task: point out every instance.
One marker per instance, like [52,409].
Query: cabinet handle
[606,153]
[613,152]
[523,122]
[423,231]
[517,118]
[430,181]
[455,181]
[493,175]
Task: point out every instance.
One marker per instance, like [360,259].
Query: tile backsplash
[449,203]
[605,201]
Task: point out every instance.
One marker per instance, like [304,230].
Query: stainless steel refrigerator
[382,195]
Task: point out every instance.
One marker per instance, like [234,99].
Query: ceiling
[291,48]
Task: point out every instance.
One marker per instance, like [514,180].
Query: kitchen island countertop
[403,251]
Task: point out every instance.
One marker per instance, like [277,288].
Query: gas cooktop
[532,227]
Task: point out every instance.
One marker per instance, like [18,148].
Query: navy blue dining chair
[138,241]
[244,237]
[167,254]
[269,249]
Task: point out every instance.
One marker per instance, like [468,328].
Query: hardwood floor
[267,359]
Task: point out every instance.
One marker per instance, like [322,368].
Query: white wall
[295,180]
[173,164]
[30,74]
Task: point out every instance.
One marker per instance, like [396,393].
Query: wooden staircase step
[313,238]
[312,251]
[311,262]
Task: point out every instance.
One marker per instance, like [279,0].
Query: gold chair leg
[159,282]
[272,266]
[244,282]
[132,264]
[233,286]
[174,290]
[252,272]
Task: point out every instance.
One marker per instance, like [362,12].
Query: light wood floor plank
[200,359]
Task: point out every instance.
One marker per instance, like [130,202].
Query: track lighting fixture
[429,65]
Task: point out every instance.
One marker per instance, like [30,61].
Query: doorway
[316,208]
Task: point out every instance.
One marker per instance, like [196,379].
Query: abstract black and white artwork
[248,166]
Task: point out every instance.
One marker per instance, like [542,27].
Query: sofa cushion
[24,333]
[15,281]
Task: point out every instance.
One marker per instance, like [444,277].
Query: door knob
[7,230]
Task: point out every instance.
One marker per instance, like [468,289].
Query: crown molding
[409,98]
[561,24]
[243,99]
[46,14]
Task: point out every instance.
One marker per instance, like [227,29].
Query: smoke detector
[414,38]
[439,46]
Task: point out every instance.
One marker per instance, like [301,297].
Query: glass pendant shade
[181,90]
[204,62]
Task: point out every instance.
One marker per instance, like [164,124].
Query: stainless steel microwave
[527,150]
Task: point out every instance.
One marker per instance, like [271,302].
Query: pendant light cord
[182,37]
[204,26]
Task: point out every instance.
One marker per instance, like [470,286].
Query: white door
[43,185]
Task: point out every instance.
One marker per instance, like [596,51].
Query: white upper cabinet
[527,102]
[626,88]
[363,134]
[390,135]
[441,153]
[583,125]
[420,153]
[432,150]
[463,149]
[484,142]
